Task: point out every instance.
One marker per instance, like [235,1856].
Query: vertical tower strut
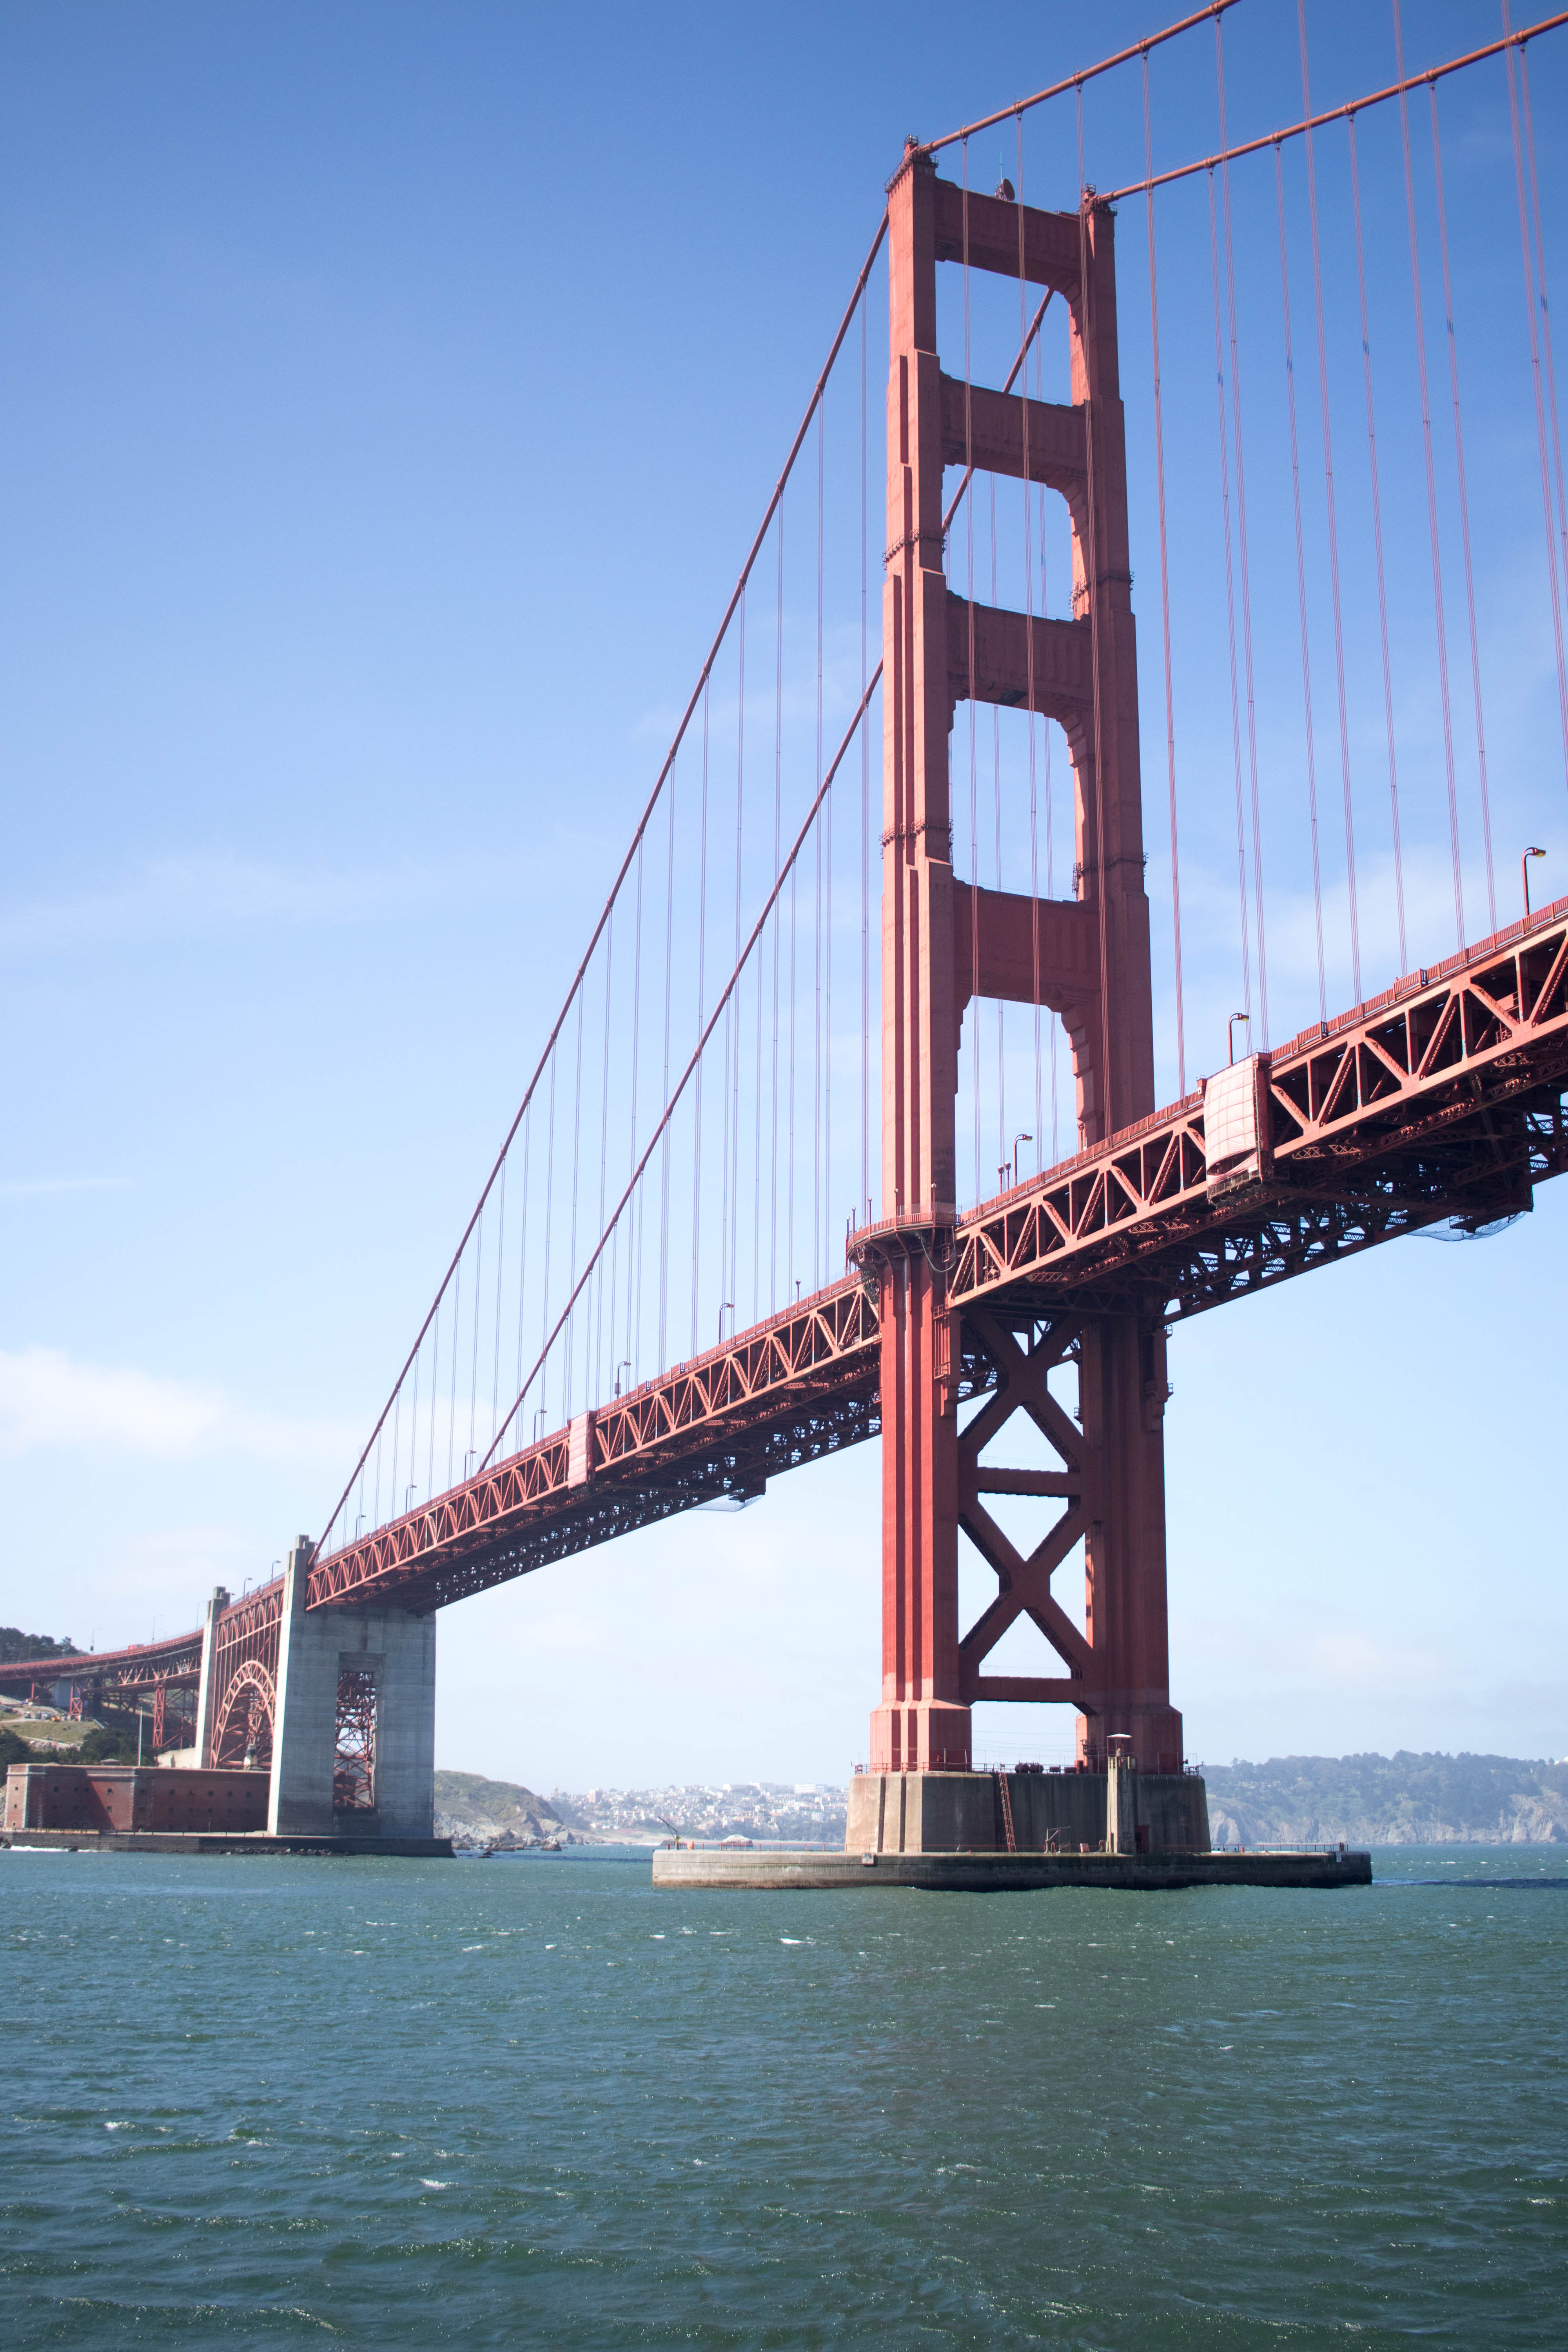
[945,942]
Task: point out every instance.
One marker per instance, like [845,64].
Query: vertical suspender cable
[474,1369]
[1332,517]
[757,1068]
[1029,697]
[1105,1105]
[452,1410]
[1431,495]
[1165,590]
[729,1213]
[603,1179]
[863,1196]
[699,1049]
[818,1171]
[522,1240]
[701,983]
[549,1197]
[1301,593]
[735,1076]
[500,1266]
[665,1140]
[1540,410]
[1262,1038]
[1377,549]
[973,762]
[1230,611]
[634,1249]
[778,852]
[996,793]
[1545,309]
[789,1072]
[1464,513]
[569,1368]
[1050,842]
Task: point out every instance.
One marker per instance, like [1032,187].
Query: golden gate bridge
[745,1215]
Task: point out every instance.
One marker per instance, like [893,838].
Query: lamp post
[1231,1031]
[727,1309]
[1020,1138]
[1525,875]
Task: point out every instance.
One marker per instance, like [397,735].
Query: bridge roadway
[1444,1099]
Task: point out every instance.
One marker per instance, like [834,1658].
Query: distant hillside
[473,1810]
[1401,1800]
[476,1811]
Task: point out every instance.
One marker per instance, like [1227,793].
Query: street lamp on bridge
[1525,875]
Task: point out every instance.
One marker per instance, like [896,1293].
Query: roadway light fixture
[624,1366]
[1231,1031]
[1020,1138]
[728,1308]
[1525,875]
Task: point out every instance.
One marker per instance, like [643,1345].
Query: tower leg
[922,1723]
[1122,1391]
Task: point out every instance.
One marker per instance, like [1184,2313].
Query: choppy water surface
[532,2101]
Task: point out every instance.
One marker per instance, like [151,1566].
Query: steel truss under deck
[1444,1098]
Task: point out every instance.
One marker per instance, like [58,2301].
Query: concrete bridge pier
[353,1738]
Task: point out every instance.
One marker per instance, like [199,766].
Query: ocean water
[530,2102]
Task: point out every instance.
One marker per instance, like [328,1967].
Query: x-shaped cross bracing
[1024,1583]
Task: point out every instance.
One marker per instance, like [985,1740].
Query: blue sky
[388,397]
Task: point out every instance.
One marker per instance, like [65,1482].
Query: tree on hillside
[16,1647]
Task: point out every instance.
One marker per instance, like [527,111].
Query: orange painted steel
[784,1392]
[145,1666]
[1441,1099]
[944,942]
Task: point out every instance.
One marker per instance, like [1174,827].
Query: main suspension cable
[665,773]
[696,1056]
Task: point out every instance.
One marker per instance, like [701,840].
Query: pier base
[1000,1874]
[1061,1812]
[373,1669]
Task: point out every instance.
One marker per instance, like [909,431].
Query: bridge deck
[1443,1099]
